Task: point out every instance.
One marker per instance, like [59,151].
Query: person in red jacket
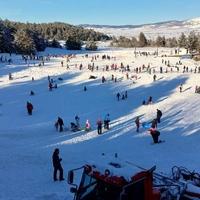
[29,107]
[155,135]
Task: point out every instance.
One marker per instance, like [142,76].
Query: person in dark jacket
[118,96]
[61,124]
[107,121]
[99,126]
[29,107]
[150,100]
[57,165]
[137,122]
[155,135]
[159,115]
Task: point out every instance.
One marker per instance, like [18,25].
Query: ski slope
[27,142]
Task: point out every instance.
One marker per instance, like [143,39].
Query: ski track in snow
[27,142]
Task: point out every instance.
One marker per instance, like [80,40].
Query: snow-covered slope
[27,142]
[167,29]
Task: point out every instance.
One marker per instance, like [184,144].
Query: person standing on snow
[181,88]
[159,115]
[61,124]
[29,107]
[77,119]
[99,126]
[155,135]
[150,100]
[57,165]
[107,121]
[118,96]
[137,122]
[87,126]
[154,77]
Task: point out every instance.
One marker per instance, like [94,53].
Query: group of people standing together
[153,126]
[75,126]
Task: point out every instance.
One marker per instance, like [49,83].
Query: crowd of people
[103,124]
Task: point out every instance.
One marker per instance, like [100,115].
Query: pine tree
[134,42]
[55,44]
[24,43]
[160,41]
[192,42]
[91,46]
[182,41]
[73,43]
[6,39]
[40,42]
[171,42]
[142,40]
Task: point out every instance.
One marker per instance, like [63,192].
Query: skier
[118,96]
[60,123]
[159,115]
[107,121]
[137,122]
[57,165]
[85,88]
[155,135]
[87,126]
[29,107]
[99,126]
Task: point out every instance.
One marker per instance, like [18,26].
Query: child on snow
[87,126]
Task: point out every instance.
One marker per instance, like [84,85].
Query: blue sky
[111,12]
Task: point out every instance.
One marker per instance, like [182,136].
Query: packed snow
[27,142]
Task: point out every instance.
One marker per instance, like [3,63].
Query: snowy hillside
[27,142]
[167,29]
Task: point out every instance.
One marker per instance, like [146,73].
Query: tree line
[190,42]
[28,38]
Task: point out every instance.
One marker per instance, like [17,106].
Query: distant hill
[168,28]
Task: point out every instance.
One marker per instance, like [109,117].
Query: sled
[146,125]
